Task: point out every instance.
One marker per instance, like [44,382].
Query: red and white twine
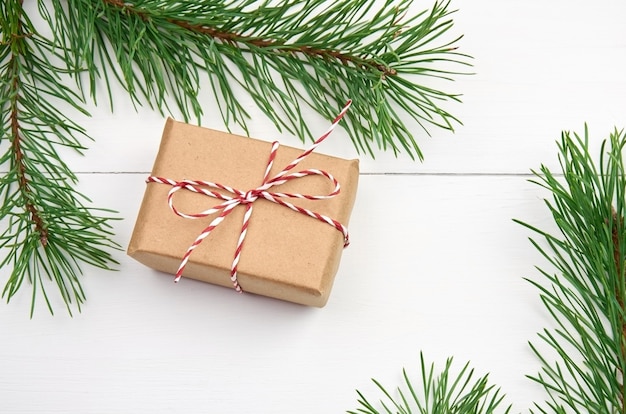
[247,198]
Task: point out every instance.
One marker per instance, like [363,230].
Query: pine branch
[49,232]
[587,292]
[444,392]
[284,54]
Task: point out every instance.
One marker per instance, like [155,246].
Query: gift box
[287,254]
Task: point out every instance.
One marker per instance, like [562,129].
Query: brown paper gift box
[286,255]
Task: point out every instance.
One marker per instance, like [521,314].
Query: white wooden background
[436,263]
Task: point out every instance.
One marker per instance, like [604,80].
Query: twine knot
[250,196]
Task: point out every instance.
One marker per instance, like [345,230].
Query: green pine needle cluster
[285,55]
[583,356]
[46,229]
[440,392]
[585,288]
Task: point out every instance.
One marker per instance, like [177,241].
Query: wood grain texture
[435,265]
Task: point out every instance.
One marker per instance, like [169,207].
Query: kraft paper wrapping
[286,255]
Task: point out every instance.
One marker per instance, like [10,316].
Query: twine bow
[247,199]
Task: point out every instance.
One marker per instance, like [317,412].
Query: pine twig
[586,293]
[284,54]
[49,232]
[440,392]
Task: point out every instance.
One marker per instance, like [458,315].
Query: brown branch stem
[17,140]
[619,292]
[277,46]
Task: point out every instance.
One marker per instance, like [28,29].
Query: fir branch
[444,392]
[48,230]
[284,54]
[587,292]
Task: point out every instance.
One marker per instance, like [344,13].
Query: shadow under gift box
[286,255]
